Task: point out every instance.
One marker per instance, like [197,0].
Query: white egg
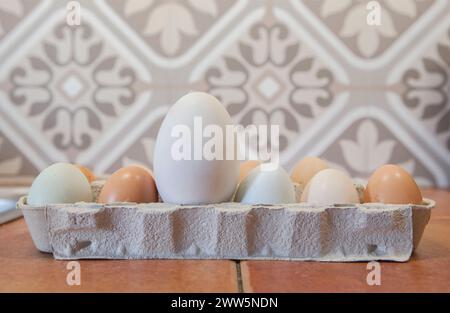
[330,186]
[266,187]
[198,179]
[59,183]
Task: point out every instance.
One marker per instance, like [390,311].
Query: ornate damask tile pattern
[142,151]
[270,76]
[367,144]
[426,90]
[97,93]
[12,162]
[170,27]
[12,13]
[346,19]
[71,87]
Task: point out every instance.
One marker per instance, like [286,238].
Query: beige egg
[391,184]
[246,167]
[330,186]
[305,169]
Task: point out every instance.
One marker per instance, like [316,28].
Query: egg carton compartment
[300,231]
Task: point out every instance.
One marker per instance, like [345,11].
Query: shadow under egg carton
[299,231]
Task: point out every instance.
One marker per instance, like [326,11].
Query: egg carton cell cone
[298,231]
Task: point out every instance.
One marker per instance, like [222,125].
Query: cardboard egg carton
[300,231]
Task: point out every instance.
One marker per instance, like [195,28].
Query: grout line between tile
[239,276]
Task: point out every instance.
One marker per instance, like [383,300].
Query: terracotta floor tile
[427,271]
[23,268]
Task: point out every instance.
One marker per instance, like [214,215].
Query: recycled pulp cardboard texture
[228,231]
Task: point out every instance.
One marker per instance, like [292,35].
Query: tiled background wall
[357,95]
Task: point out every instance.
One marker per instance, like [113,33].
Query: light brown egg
[129,184]
[246,167]
[391,184]
[305,169]
[87,172]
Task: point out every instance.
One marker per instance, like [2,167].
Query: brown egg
[246,167]
[391,184]
[305,169]
[133,183]
[87,172]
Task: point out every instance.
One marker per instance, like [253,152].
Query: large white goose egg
[270,186]
[193,161]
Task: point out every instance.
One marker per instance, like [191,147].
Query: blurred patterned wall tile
[172,32]
[140,151]
[272,74]
[344,23]
[358,95]
[422,88]
[12,13]
[368,144]
[16,20]
[13,163]
[73,87]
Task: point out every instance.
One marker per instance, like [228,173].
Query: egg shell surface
[305,169]
[246,168]
[87,172]
[195,181]
[330,186]
[266,187]
[391,184]
[59,183]
[129,184]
